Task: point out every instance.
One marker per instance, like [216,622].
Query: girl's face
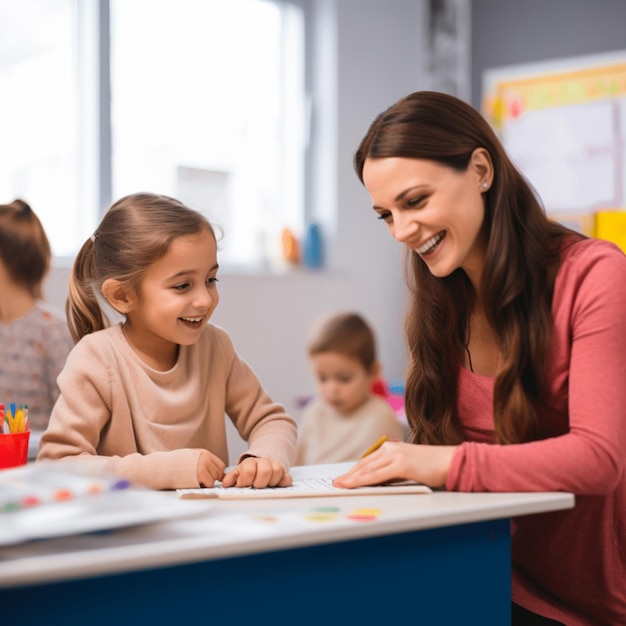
[433,209]
[342,381]
[175,299]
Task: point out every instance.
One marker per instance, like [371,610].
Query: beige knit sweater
[149,426]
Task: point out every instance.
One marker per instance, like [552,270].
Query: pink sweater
[149,426]
[567,565]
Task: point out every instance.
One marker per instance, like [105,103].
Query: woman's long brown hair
[522,256]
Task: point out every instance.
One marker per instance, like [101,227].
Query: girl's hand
[210,468]
[257,472]
[400,461]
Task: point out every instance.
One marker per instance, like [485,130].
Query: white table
[442,557]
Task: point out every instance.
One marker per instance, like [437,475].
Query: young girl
[34,338]
[148,395]
[517,339]
[346,417]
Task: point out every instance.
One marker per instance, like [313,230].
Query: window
[198,99]
[39,160]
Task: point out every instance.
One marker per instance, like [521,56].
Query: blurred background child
[34,337]
[346,417]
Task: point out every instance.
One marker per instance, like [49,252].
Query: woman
[517,339]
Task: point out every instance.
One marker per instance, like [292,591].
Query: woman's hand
[400,461]
[257,472]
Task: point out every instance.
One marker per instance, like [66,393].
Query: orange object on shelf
[291,248]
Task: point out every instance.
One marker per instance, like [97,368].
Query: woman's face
[435,210]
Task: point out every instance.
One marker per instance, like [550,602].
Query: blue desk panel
[451,575]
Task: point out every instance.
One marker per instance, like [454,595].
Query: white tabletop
[213,529]
[33,444]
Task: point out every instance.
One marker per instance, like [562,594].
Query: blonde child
[346,417]
[34,338]
[147,397]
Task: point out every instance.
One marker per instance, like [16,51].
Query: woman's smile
[431,244]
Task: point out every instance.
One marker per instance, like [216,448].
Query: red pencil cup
[14,449]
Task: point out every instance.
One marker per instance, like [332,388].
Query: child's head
[24,246]
[343,355]
[139,235]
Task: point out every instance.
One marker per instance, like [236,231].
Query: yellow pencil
[19,421]
[374,447]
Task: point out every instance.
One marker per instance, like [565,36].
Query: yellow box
[580,222]
[611,225]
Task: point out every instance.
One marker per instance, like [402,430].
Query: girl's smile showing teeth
[194,321]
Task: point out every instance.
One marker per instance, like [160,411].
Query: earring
[485,186]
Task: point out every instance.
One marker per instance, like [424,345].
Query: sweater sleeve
[585,454]
[82,409]
[80,420]
[263,423]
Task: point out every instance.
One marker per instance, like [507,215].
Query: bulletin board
[563,123]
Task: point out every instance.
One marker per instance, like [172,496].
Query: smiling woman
[516,329]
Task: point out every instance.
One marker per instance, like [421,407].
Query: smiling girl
[148,395]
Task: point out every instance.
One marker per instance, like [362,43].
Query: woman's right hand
[395,461]
[210,468]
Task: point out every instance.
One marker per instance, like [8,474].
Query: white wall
[375,49]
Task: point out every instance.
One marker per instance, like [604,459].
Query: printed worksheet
[308,481]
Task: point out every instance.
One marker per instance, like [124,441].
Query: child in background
[146,398]
[34,338]
[347,417]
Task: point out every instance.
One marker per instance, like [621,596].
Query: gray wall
[507,32]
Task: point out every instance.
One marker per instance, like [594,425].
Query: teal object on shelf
[312,247]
